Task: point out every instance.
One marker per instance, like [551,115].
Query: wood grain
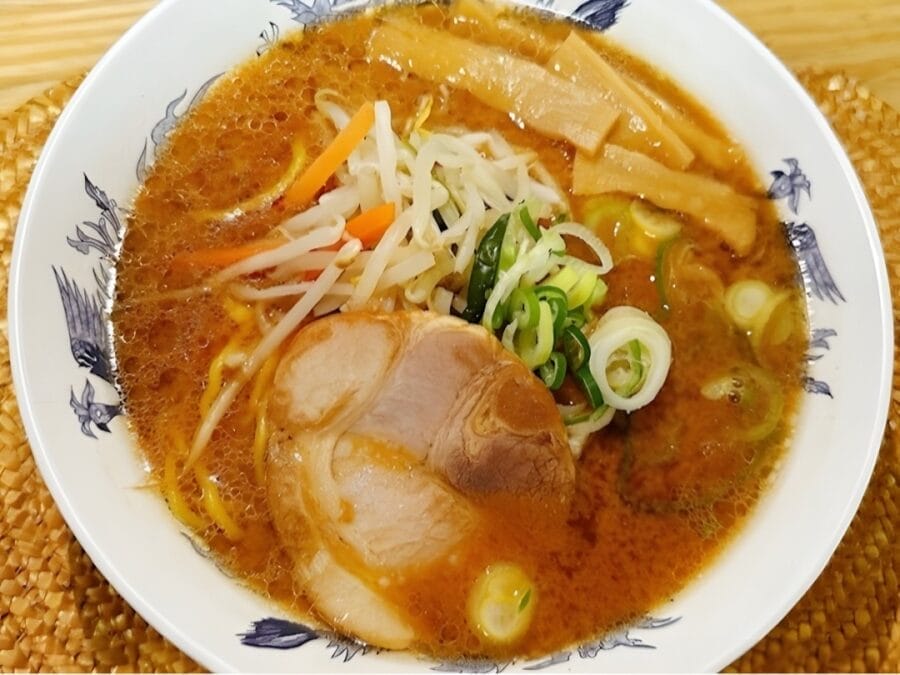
[860,37]
[45,41]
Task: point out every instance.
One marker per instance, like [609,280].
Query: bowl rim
[876,249]
[206,656]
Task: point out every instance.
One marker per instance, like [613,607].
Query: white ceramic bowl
[66,241]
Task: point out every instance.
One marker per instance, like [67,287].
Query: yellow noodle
[177,504]
[245,317]
[240,313]
[265,198]
[216,369]
[270,344]
[215,507]
[260,440]
[210,497]
[263,380]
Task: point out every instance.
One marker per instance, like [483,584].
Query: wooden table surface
[44,41]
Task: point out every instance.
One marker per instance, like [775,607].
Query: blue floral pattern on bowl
[273,633]
[86,311]
[790,184]
[161,129]
[814,273]
[599,14]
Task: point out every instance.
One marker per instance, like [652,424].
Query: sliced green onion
[730,386]
[501,604]
[574,414]
[565,279]
[660,275]
[583,290]
[655,223]
[580,430]
[606,209]
[778,325]
[770,420]
[524,306]
[636,352]
[535,345]
[576,318]
[484,270]
[575,347]
[559,306]
[750,387]
[613,365]
[508,335]
[545,292]
[500,314]
[745,301]
[507,254]
[649,228]
[589,386]
[553,372]
[529,224]
[599,294]
[752,304]
[626,371]
[579,284]
[597,298]
[530,267]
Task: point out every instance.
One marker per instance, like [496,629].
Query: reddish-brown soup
[658,492]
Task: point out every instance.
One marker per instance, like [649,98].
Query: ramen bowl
[64,368]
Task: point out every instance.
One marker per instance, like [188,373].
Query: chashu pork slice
[384,425]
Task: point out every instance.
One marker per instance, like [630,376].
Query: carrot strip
[318,173]
[369,226]
[223,257]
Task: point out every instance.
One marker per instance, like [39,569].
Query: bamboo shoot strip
[716,153]
[549,104]
[719,208]
[640,127]
[496,29]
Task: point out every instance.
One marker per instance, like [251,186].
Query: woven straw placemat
[58,613]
